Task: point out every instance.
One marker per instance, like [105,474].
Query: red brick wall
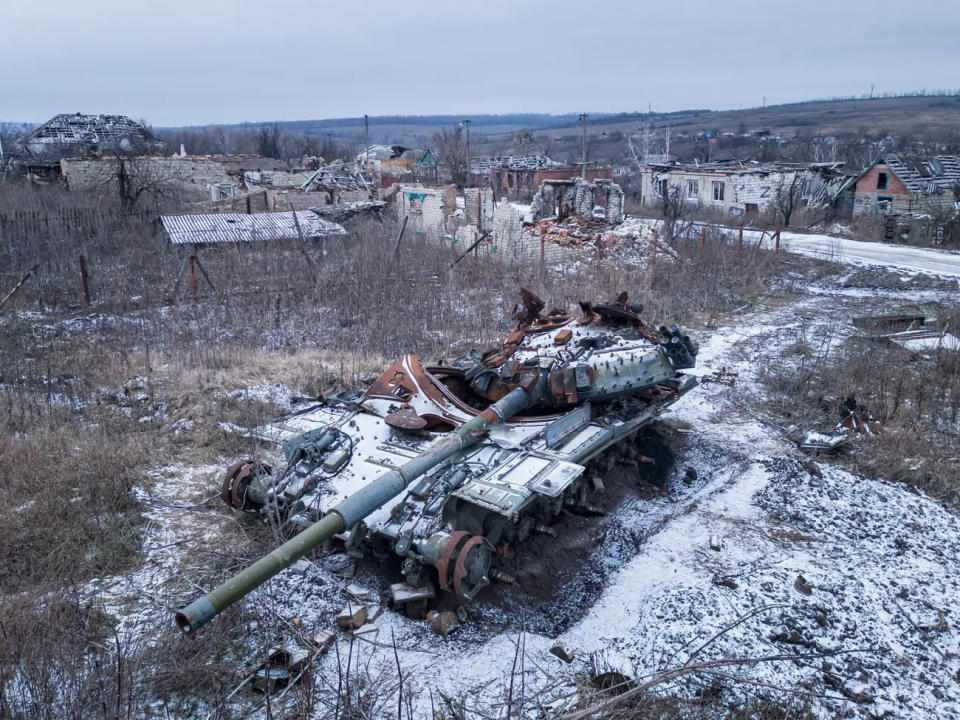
[868,183]
[568,173]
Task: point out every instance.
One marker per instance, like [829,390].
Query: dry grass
[916,398]
[74,445]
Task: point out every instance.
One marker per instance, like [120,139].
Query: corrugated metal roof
[242,227]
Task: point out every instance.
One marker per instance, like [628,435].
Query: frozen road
[860,252]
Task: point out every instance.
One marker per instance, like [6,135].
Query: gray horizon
[221,62]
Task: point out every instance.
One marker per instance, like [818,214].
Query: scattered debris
[887,323]
[716,543]
[352,616]
[282,666]
[855,419]
[322,640]
[561,652]
[802,586]
[444,623]
[725,581]
[359,592]
[365,629]
[720,377]
[413,599]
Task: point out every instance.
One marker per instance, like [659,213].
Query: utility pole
[583,146]
[466,124]
[366,140]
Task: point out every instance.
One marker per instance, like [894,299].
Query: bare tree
[672,210]
[452,150]
[789,196]
[524,143]
[137,178]
[270,141]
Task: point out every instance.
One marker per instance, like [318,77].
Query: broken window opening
[693,189]
[660,187]
[718,189]
[882,180]
[884,203]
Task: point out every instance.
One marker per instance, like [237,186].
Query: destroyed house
[895,185]
[341,183]
[74,136]
[744,187]
[191,177]
[391,164]
[519,177]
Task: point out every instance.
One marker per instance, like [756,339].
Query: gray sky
[176,62]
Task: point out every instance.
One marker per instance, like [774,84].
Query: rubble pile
[575,231]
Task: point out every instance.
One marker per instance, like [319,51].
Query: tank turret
[478,454]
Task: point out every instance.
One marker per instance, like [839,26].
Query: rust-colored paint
[459,568]
[563,337]
[443,565]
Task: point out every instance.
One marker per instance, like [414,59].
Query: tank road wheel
[236,484]
[465,564]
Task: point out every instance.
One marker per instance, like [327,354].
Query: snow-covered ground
[860,573]
[906,258]
[860,252]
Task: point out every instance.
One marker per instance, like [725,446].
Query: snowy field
[761,552]
[771,551]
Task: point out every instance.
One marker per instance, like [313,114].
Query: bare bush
[915,397]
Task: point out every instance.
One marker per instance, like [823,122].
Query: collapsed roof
[337,176]
[481,166]
[928,176]
[81,135]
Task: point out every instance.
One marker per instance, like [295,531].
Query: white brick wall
[425,208]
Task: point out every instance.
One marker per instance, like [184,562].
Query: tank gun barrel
[349,512]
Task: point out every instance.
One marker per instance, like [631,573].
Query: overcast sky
[175,62]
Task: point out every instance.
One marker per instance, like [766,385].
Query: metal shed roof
[242,227]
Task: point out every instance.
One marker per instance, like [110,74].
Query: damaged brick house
[895,185]
[746,187]
[519,177]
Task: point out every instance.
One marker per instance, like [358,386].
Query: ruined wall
[579,198]
[522,248]
[425,208]
[193,177]
[270,200]
[478,207]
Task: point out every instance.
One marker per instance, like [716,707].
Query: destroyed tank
[443,466]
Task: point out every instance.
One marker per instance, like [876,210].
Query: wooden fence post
[703,238]
[740,238]
[84,281]
[194,286]
[776,247]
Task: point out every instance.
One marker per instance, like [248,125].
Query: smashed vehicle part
[283,666]
[480,454]
[855,419]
